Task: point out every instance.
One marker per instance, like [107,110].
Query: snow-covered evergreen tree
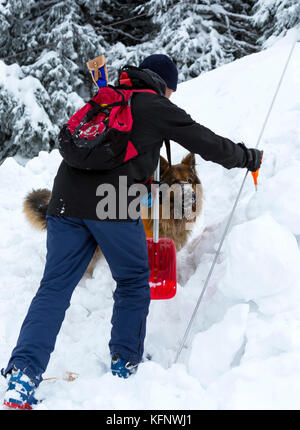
[130,33]
[275,17]
[60,67]
[203,34]
[24,118]
[44,46]
[71,33]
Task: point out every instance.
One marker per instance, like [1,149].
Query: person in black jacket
[74,230]
[155,119]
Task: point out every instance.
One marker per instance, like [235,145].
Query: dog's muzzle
[184,201]
[183,206]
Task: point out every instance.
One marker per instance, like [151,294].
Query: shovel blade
[162,262]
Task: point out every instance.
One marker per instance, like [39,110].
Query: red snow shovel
[162,257]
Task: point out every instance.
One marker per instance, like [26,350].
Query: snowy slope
[244,348]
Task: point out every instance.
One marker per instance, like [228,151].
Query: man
[74,230]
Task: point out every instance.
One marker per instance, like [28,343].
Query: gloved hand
[253,157]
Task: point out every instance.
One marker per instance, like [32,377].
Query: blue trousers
[71,243]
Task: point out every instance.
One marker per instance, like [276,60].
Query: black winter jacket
[155,119]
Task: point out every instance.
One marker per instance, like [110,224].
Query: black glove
[253,157]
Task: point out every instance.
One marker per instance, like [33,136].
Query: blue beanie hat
[164,67]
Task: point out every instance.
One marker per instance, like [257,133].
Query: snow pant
[71,243]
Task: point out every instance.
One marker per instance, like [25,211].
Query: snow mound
[263,259]
[279,196]
[214,350]
[270,384]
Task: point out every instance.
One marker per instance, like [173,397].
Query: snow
[253,249]
[285,207]
[25,89]
[243,351]
[224,339]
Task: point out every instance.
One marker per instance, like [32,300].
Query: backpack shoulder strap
[144,91]
[168,149]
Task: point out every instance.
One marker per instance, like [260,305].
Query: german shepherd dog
[175,227]
[190,201]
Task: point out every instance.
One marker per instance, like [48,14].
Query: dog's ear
[164,166]
[190,161]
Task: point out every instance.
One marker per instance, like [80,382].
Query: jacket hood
[145,78]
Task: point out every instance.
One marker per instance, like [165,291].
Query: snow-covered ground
[243,351]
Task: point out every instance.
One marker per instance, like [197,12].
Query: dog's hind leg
[97,255]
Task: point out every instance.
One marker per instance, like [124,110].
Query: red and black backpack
[97,136]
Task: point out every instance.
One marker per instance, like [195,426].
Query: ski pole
[182,344]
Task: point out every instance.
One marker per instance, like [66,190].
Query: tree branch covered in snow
[275,17]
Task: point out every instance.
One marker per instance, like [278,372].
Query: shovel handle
[156,206]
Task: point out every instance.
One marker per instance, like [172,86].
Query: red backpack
[97,136]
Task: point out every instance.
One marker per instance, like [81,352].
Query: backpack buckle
[125,80]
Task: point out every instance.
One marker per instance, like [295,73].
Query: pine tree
[71,32]
[203,34]
[60,67]
[130,33]
[59,36]
[275,17]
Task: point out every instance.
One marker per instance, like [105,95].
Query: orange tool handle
[255,174]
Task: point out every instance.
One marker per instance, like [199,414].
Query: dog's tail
[35,207]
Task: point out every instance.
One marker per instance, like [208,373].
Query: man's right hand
[253,157]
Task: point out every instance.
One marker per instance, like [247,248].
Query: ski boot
[121,367]
[20,391]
